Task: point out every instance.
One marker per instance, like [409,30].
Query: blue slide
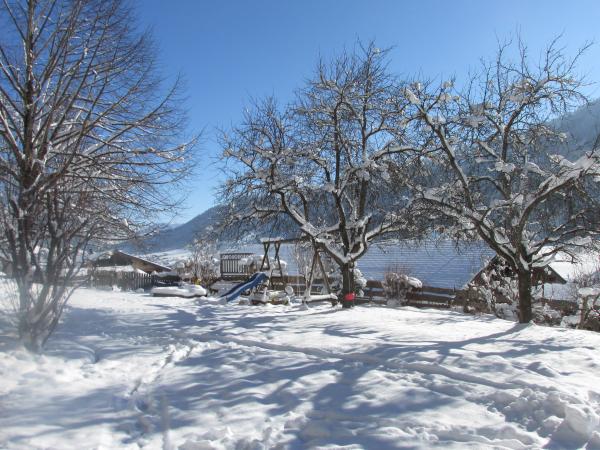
[250,283]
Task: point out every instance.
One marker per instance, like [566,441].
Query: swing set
[279,279]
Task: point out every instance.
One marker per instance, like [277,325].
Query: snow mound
[188,290]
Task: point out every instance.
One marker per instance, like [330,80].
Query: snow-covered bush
[544,314]
[496,292]
[586,295]
[303,255]
[397,284]
[203,262]
[251,263]
[588,314]
[360,282]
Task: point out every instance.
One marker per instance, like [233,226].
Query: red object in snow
[348,300]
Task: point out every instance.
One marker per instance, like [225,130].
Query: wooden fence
[435,297]
[230,266]
[428,296]
[374,292]
[130,281]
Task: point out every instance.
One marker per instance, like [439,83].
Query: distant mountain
[582,128]
[179,236]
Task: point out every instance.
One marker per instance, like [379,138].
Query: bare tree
[501,176]
[88,140]
[324,162]
[203,257]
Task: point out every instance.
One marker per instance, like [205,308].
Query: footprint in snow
[542,369]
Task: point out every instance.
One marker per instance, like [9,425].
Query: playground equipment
[251,283]
[317,263]
[271,274]
[276,270]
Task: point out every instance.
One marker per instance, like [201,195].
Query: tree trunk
[525,311]
[30,334]
[347,284]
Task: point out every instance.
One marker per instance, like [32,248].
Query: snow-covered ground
[128,370]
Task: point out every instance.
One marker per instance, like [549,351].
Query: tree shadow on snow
[98,408]
[323,397]
[222,384]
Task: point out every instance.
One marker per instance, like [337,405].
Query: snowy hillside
[181,235]
[582,126]
[127,370]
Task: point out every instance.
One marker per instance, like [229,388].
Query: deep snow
[127,370]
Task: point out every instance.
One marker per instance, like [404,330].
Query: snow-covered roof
[99,255]
[569,269]
[163,267]
[586,263]
[127,268]
[124,259]
[437,263]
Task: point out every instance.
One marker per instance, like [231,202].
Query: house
[572,270]
[540,276]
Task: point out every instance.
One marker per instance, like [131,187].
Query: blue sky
[231,51]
